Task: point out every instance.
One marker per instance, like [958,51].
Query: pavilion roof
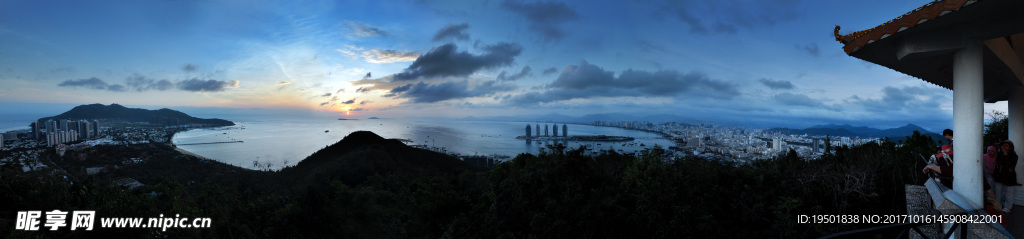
[935,9]
[922,43]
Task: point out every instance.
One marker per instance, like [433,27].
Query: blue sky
[761,63]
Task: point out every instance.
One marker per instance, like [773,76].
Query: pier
[221,142]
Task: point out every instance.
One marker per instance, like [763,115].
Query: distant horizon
[39,110]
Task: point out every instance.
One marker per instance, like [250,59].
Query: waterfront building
[555,130]
[537,126]
[546,129]
[565,130]
[528,131]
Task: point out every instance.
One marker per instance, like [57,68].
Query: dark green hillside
[115,112]
[363,154]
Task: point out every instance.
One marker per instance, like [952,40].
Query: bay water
[287,141]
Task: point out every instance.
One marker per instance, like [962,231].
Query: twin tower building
[554,129]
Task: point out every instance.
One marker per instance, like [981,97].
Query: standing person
[948,134]
[1005,175]
[989,164]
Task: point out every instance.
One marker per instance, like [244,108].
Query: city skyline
[764,63]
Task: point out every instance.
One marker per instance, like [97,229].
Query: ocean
[287,141]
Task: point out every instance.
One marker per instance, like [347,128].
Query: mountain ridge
[162,116]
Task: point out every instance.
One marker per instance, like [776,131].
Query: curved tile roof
[856,40]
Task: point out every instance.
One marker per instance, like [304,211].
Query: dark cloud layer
[777,84]
[544,17]
[447,61]
[453,32]
[136,82]
[201,85]
[803,100]
[429,93]
[504,76]
[590,81]
[91,83]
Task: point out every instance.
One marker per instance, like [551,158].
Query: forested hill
[117,112]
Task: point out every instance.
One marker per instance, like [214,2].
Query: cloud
[446,61]
[363,89]
[362,30]
[324,103]
[523,73]
[429,93]
[367,76]
[379,55]
[777,84]
[728,16]
[359,109]
[803,100]
[809,48]
[189,68]
[200,85]
[590,81]
[452,31]
[907,98]
[544,17]
[365,102]
[140,83]
[280,83]
[328,94]
[91,83]
[550,71]
[349,102]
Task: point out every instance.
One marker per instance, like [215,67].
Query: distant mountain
[117,112]
[858,131]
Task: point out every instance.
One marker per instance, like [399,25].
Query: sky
[756,63]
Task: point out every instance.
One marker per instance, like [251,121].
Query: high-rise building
[35,130]
[64,125]
[51,126]
[537,126]
[777,145]
[546,129]
[84,130]
[96,128]
[565,130]
[554,130]
[528,131]
[1,141]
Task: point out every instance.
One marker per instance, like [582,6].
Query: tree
[997,129]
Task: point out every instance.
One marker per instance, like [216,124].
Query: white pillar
[1015,106]
[968,122]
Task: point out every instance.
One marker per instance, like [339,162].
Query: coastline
[183,151]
